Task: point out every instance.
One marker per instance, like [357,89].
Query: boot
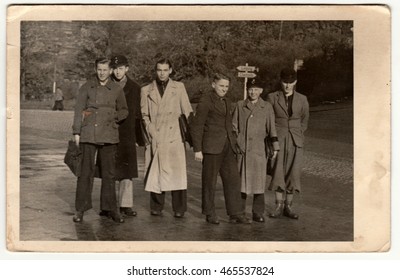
[279,205]
[287,211]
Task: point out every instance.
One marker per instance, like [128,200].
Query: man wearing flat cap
[291,119]
[126,160]
[254,124]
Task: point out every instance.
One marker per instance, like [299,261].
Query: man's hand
[152,131]
[77,139]
[274,155]
[198,156]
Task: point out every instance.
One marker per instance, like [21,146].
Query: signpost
[246,72]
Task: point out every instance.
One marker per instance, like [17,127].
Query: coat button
[95,124]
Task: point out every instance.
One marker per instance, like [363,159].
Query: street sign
[247,72]
[246,75]
[246,68]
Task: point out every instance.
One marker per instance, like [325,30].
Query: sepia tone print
[56,57]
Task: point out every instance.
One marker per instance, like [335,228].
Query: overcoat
[167,163]
[98,111]
[290,129]
[126,159]
[253,123]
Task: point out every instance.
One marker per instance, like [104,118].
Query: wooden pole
[245,88]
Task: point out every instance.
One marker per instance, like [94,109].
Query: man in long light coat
[291,118]
[254,123]
[162,103]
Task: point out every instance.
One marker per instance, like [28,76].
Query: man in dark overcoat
[291,120]
[126,159]
[214,144]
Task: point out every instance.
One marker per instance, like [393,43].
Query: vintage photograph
[218,134]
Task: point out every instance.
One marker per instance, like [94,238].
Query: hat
[118,60]
[251,83]
[288,75]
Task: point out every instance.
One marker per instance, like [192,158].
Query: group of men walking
[238,142]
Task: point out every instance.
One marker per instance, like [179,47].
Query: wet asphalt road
[47,192]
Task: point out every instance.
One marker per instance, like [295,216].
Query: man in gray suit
[291,119]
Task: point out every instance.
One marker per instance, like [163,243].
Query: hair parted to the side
[102,60]
[220,76]
[163,61]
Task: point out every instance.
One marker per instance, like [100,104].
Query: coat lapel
[169,92]
[251,110]
[154,95]
[282,102]
[295,103]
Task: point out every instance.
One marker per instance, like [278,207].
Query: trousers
[83,198]
[225,165]
[125,193]
[179,201]
[258,203]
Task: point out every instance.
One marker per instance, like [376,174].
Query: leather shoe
[105,213]
[116,217]
[179,214]
[212,219]
[78,217]
[155,213]
[258,218]
[239,219]
[127,211]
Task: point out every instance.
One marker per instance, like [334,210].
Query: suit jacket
[210,127]
[294,125]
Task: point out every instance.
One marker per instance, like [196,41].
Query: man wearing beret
[126,159]
[291,118]
[254,124]
[100,107]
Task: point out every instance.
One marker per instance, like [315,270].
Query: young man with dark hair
[99,108]
[162,103]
